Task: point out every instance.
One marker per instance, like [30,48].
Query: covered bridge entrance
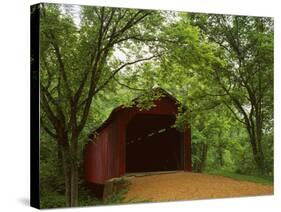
[134,140]
[152,144]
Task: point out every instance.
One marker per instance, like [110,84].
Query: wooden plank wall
[95,161]
[106,158]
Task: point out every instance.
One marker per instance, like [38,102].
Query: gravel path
[190,186]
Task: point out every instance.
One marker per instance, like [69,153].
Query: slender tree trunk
[259,138]
[202,152]
[257,150]
[220,156]
[260,155]
[220,150]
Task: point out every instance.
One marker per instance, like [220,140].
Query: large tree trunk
[74,186]
[70,171]
[71,180]
[67,179]
[74,169]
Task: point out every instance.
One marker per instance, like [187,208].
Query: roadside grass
[118,197]
[87,199]
[266,180]
[137,200]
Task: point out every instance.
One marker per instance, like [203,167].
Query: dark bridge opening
[152,144]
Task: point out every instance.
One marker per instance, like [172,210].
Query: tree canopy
[92,59]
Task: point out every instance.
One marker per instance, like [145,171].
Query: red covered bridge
[134,140]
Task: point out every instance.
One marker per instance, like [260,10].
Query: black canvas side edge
[34,106]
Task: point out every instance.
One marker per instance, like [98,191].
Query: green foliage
[268,146]
[117,197]
[51,177]
[219,68]
[52,200]
[77,63]
[267,180]
[146,101]
[87,198]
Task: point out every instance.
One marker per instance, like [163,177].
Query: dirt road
[190,186]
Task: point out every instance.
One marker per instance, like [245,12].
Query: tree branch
[47,109]
[53,101]
[127,86]
[89,98]
[118,69]
[47,130]
[233,112]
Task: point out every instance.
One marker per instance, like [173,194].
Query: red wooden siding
[95,161]
[106,158]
